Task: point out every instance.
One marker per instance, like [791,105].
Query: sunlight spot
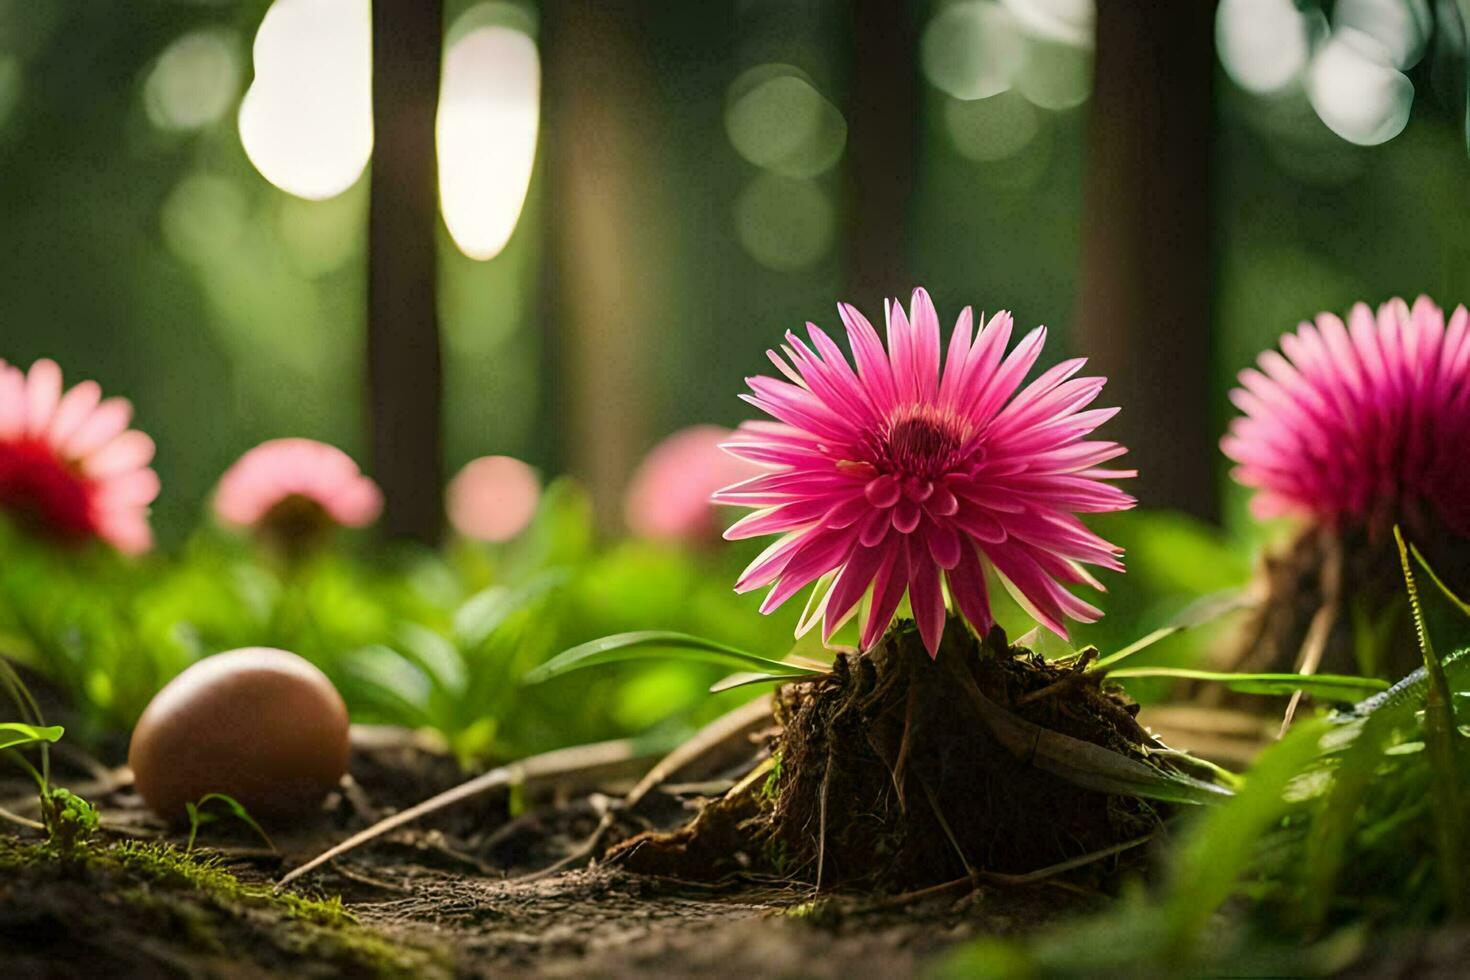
[1264,45]
[1069,22]
[1356,90]
[306,120]
[777,120]
[489,112]
[970,50]
[1402,27]
[193,82]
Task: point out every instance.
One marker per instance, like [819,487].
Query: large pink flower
[1364,422]
[69,465]
[294,486]
[668,498]
[898,473]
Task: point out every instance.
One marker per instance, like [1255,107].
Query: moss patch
[138,907]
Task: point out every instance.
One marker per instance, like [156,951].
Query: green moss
[208,910]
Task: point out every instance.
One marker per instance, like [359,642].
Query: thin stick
[730,725]
[822,817]
[16,818]
[999,878]
[549,765]
[1315,644]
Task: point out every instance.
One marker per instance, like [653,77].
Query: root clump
[886,776]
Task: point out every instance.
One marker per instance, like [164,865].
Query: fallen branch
[547,766]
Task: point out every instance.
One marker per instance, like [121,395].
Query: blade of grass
[747,679]
[644,644]
[1442,738]
[1332,687]
[1221,844]
[1449,593]
[197,817]
[1204,610]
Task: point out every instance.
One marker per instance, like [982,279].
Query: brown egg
[260,725]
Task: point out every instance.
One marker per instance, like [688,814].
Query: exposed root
[890,776]
[1333,601]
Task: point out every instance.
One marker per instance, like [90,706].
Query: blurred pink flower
[668,497]
[295,487]
[492,498]
[69,465]
[903,470]
[1363,422]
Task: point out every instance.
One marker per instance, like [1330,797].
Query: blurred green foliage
[436,640]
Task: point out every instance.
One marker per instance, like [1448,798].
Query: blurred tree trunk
[1144,315]
[882,147]
[405,373]
[603,270]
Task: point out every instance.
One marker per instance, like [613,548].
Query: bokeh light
[193,82]
[976,49]
[306,120]
[970,50]
[489,111]
[1360,96]
[204,214]
[1054,74]
[777,120]
[991,129]
[1401,28]
[320,237]
[1265,45]
[785,223]
[1069,22]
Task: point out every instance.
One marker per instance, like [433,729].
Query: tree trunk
[405,373]
[882,146]
[1144,314]
[604,266]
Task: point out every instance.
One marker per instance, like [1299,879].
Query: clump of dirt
[885,774]
[1335,599]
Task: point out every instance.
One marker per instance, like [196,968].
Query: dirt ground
[461,892]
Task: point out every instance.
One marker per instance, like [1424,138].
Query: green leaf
[1220,847]
[484,612]
[14,734]
[1329,687]
[644,644]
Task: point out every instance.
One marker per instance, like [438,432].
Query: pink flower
[1367,422]
[69,465]
[295,487]
[492,498]
[898,473]
[668,498]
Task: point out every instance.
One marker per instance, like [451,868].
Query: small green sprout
[70,820]
[233,808]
